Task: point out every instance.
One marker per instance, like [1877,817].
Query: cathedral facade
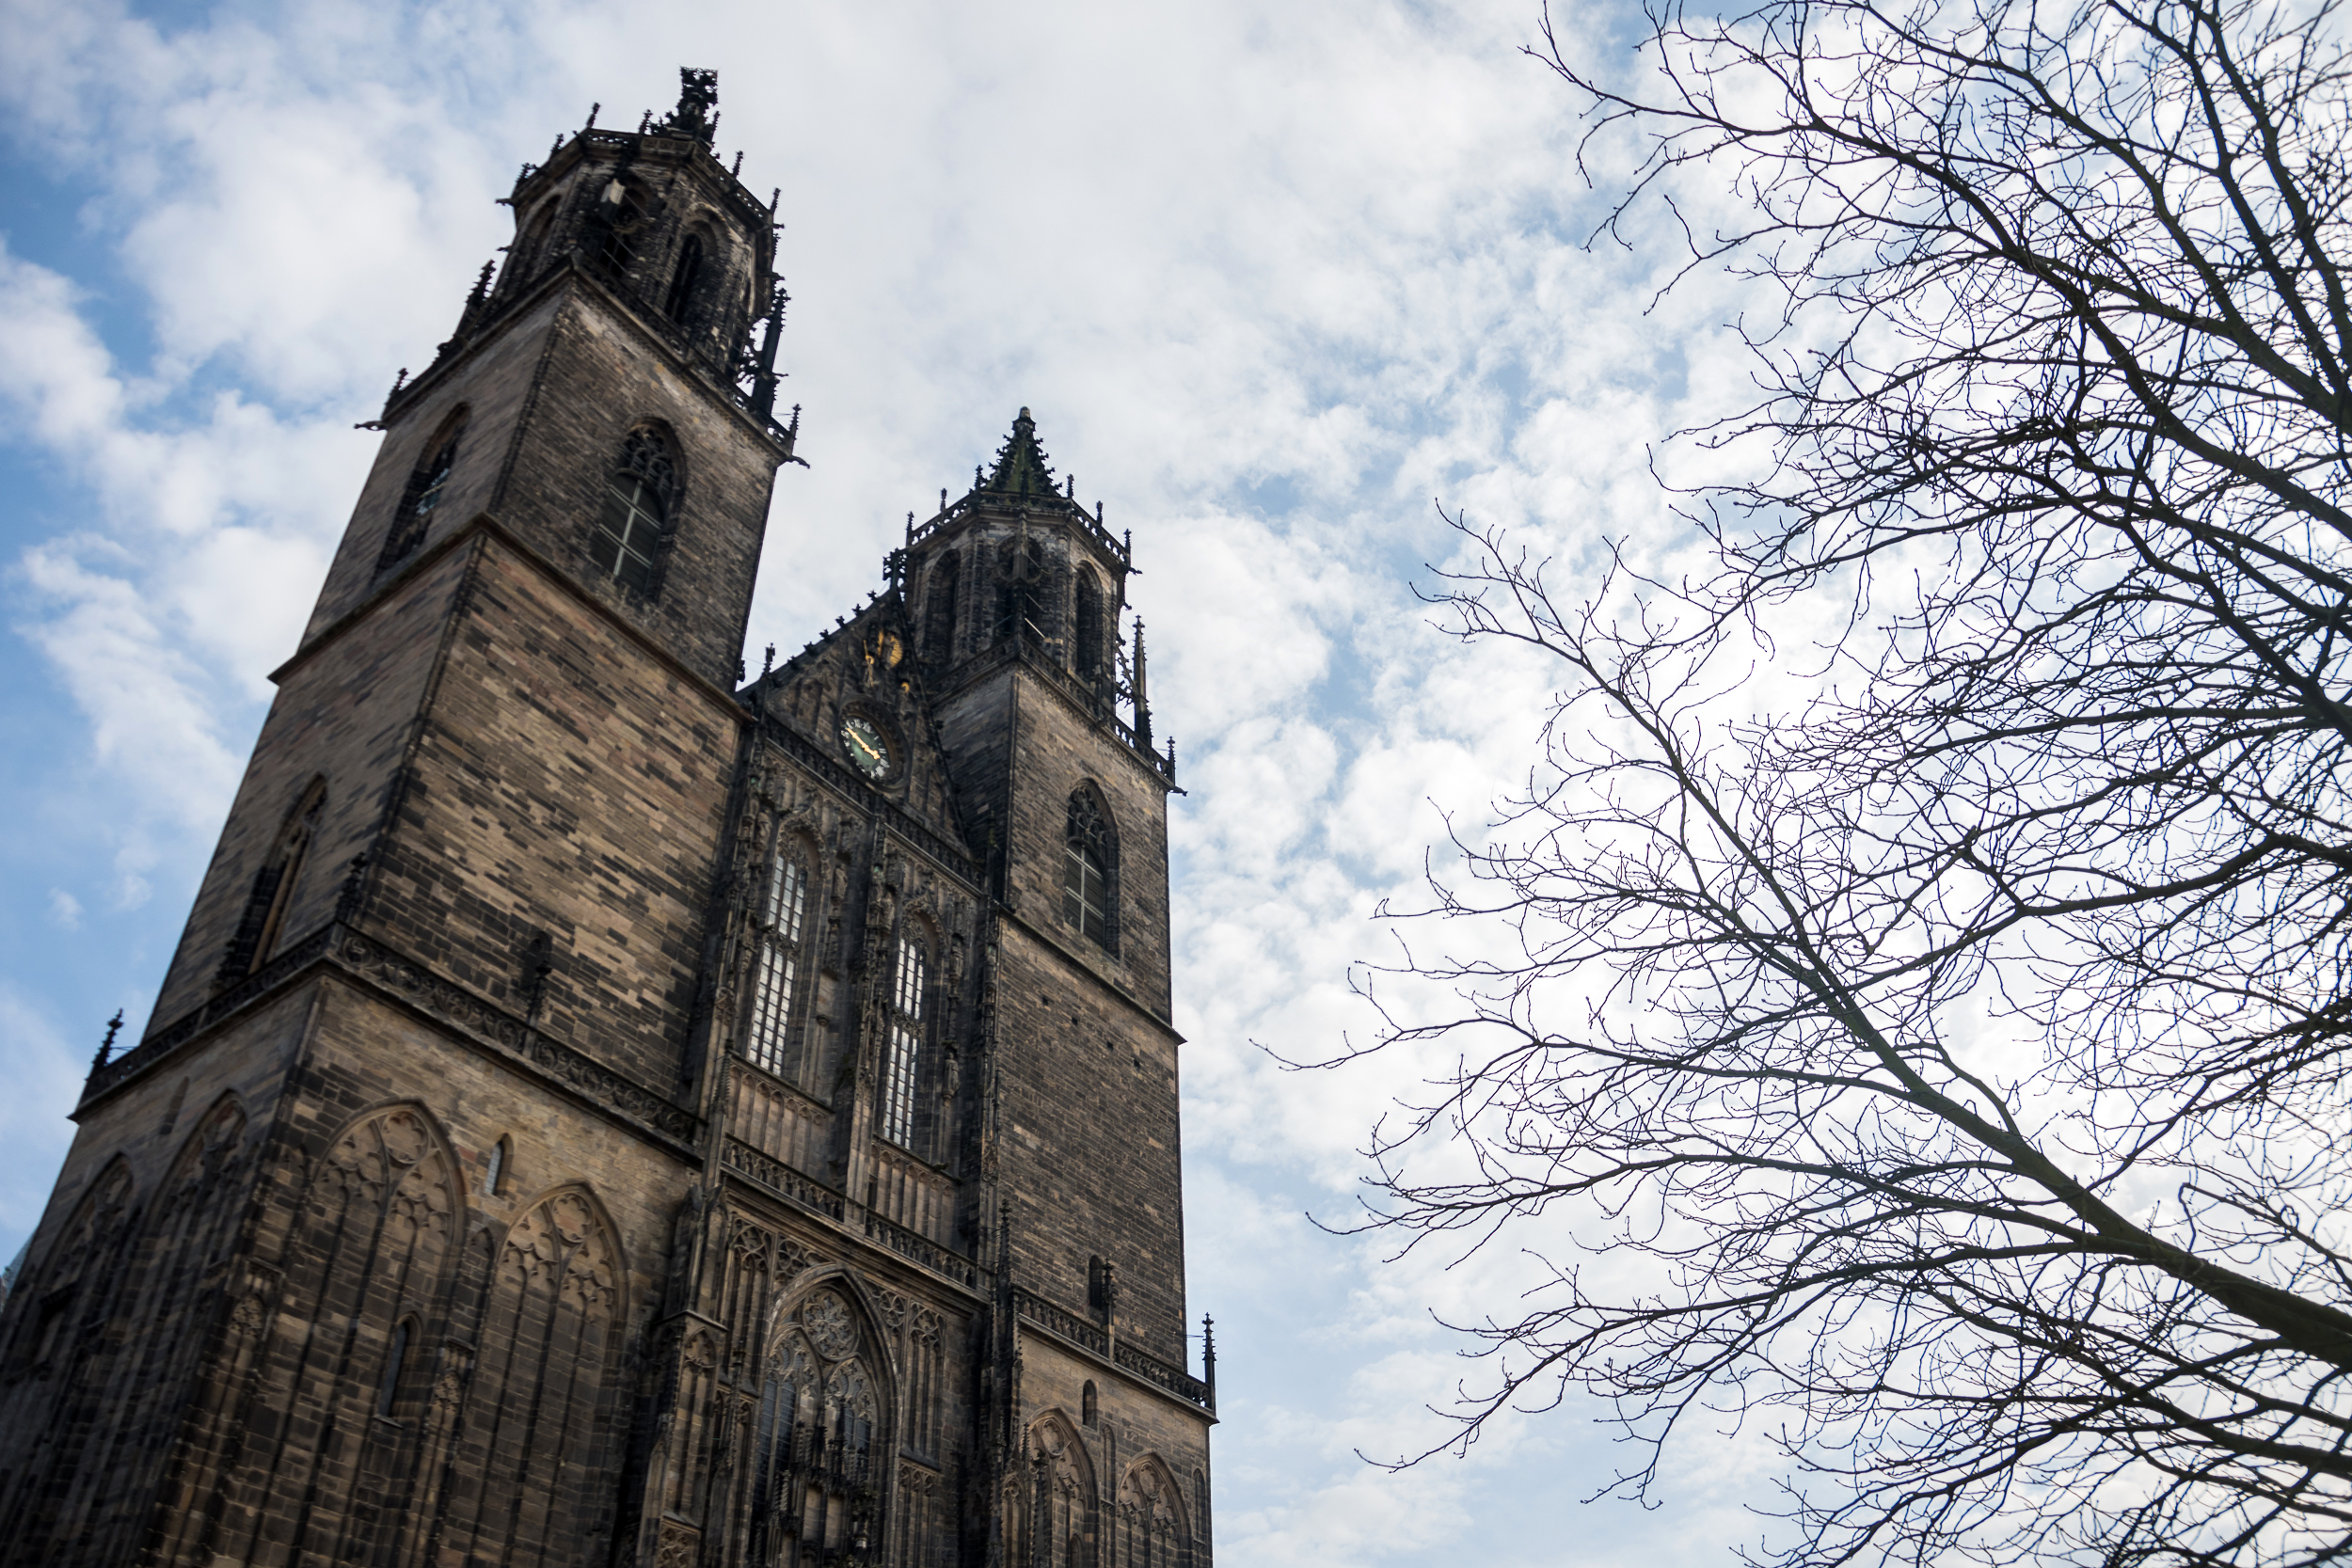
[603,1110]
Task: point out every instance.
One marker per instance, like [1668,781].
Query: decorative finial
[593,110]
[942,500]
[767,661]
[976,467]
[106,1045]
[737,170]
[645,122]
[774,196]
[697,112]
[1074,487]
[557,147]
[909,529]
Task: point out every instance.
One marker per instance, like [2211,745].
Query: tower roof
[1021,465]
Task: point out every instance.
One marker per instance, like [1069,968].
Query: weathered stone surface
[594,1116]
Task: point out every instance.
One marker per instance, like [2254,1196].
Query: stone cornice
[461,1014]
[484,525]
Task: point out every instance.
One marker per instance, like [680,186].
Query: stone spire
[1021,465]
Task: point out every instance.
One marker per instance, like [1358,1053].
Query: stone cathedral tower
[602,1113]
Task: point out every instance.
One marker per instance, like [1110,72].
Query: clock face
[868,751]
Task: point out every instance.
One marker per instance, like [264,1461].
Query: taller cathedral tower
[603,1113]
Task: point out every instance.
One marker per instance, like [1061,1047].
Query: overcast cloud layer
[1271,281]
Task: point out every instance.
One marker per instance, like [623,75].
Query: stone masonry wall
[346,714]
[602,377]
[494,383]
[570,783]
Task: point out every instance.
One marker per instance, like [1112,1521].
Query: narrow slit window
[390,1389]
[939,611]
[682,282]
[905,1048]
[1088,655]
[778,965]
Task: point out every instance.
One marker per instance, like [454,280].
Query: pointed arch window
[1087,657]
[684,280]
[939,609]
[781,911]
[268,899]
[523,259]
[423,495]
[903,1062]
[639,502]
[1090,877]
[622,216]
[773,1455]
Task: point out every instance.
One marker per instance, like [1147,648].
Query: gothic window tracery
[274,884]
[423,495]
[79,1267]
[537,1430]
[372,1261]
[777,963]
[640,499]
[903,1062]
[1090,869]
[1150,1528]
[1054,1511]
[818,1442]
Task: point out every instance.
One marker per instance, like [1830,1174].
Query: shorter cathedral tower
[600,1112]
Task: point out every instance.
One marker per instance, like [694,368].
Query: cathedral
[604,1110]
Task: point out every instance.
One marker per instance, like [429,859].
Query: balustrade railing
[783,1180]
[1027,1305]
[1037,1310]
[1174,1379]
[922,1249]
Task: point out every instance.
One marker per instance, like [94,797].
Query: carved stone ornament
[832,1328]
[679,1546]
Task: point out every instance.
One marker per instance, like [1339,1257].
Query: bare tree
[1962,1050]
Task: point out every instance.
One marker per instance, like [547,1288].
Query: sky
[1276,281]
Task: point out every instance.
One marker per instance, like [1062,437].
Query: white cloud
[1270,278]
